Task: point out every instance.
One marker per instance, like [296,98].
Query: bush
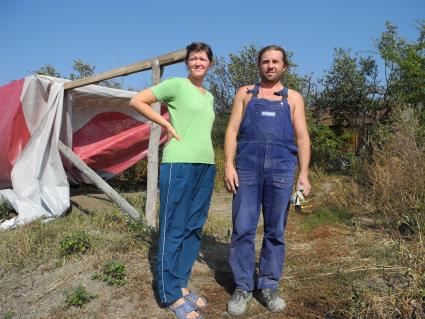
[219,129]
[330,151]
[132,179]
[395,176]
[5,208]
[393,182]
[113,273]
[78,297]
[218,134]
[77,242]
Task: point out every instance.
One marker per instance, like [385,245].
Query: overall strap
[283,93]
[254,91]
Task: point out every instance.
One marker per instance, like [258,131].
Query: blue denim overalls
[266,160]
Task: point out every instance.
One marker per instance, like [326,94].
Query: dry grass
[37,243]
[388,197]
[397,176]
[397,191]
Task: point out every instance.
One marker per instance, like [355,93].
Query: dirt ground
[322,268]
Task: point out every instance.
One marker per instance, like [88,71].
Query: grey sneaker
[238,303]
[273,302]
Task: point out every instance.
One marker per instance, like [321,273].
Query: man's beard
[271,81]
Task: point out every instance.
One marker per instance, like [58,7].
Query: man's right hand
[231,178]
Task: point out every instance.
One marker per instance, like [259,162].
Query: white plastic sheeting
[40,185]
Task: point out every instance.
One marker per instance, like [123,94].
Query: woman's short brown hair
[197,47]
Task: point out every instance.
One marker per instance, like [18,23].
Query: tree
[404,66]
[243,66]
[82,70]
[349,90]
[47,70]
[219,83]
[227,75]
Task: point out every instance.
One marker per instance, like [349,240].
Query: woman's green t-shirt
[192,116]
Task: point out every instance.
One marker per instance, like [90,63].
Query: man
[266,125]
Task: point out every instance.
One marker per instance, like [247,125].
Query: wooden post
[129,210]
[153,160]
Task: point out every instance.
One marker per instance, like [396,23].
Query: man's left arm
[302,139]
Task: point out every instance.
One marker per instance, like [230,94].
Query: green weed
[113,273]
[78,297]
[77,242]
[8,315]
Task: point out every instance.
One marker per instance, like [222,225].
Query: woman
[186,178]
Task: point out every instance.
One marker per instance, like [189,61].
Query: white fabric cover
[40,185]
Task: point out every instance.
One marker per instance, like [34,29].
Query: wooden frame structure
[156,64]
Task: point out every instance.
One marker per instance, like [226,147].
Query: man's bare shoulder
[243,93]
[244,89]
[294,93]
[295,96]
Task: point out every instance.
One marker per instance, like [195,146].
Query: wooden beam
[164,60]
[153,158]
[129,210]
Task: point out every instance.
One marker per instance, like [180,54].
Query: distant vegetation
[81,69]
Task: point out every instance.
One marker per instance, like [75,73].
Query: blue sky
[110,34]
